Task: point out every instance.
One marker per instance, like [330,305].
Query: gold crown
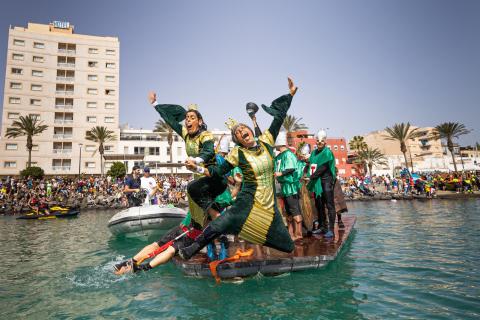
[230,123]
[192,106]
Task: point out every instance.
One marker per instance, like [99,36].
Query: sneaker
[341,226]
[319,231]
[329,234]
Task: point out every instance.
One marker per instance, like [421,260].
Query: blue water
[411,260]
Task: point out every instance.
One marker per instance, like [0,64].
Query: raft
[312,252]
[55,212]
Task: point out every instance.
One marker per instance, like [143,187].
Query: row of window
[21,57]
[152,151]
[91,119]
[61,75]
[63,103]
[63,47]
[88,148]
[91,64]
[59,89]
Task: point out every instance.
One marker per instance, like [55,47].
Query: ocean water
[405,260]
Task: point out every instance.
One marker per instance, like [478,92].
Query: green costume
[317,159]
[199,145]
[286,161]
[254,216]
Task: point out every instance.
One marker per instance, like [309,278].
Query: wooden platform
[310,253]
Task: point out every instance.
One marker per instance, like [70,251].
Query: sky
[360,65]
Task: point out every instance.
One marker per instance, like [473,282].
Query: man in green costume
[322,181]
[287,175]
[254,216]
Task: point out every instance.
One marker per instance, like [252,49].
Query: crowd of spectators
[21,194]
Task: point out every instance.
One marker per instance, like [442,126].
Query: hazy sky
[360,65]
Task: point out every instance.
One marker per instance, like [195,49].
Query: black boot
[201,241]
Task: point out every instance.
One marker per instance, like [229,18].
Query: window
[11,146]
[110,52]
[18,42]
[13,115]
[109,120]
[109,105]
[139,150]
[35,147]
[336,161]
[110,65]
[335,147]
[17,71]
[110,78]
[109,92]
[14,100]
[92,91]
[154,151]
[91,119]
[17,56]
[35,116]
[92,50]
[108,148]
[179,151]
[36,87]
[91,104]
[342,147]
[37,73]
[15,85]
[89,164]
[35,102]
[10,164]
[39,45]
[37,59]
[92,77]
[92,64]
[90,148]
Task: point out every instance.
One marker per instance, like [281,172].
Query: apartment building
[70,82]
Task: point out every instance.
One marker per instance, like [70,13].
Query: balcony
[62,136]
[67,51]
[63,121]
[65,78]
[63,106]
[65,64]
[62,151]
[61,168]
[64,92]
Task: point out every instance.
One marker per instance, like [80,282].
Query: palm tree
[162,126]
[26,126]
[291,123]
[449,131]
[100,135]
[401,132]
[357,143]
[371,157]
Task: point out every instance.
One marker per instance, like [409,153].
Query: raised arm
[207,150]
[279,109]
[172,114]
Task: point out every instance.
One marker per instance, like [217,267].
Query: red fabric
[192,234]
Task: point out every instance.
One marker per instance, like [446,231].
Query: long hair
[203,127]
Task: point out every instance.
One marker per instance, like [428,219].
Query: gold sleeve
[184,132]
[267,138]
[206,136]
[232,157]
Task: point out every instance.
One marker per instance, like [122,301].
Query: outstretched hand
[152,97]
[291,86]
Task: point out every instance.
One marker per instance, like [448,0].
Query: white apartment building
[147,148]
[71,83]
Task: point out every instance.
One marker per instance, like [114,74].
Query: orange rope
[238,254]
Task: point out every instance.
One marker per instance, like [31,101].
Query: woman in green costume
[254,216]
[199,145]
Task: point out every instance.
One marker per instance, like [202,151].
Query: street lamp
[80,159]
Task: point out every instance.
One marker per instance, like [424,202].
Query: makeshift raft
[311,252]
